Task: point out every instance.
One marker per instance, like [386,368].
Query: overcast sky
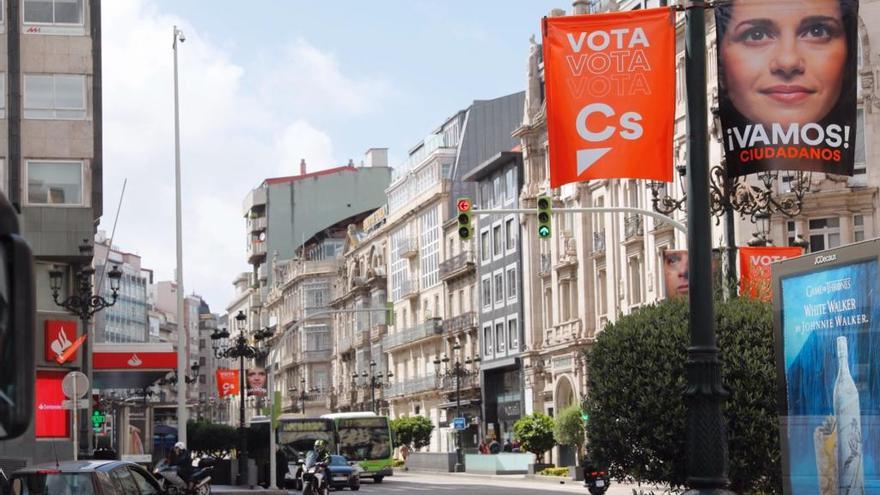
[265,83]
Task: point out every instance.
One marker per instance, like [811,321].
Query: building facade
[128,319]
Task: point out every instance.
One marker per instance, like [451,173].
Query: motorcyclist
[180,459]
[318,454]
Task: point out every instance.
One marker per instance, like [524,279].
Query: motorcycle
[199,482]
[315,480]
[596,480]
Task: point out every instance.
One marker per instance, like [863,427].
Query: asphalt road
[451,484]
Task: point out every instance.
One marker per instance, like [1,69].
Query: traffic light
[545,210]
[465,226]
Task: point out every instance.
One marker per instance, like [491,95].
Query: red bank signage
[134,360]
[60,336]
[50,419]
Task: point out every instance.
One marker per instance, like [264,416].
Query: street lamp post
[182,334]
[241,350]
[302,394]
[372,381]
[458,372]
[83,303]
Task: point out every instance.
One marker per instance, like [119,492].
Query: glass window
[146,486]
[513,335]
[54,96]
[487,292]
[499,287]
[509,233]
[499,193]
[53,11]
[511,185]
[496,240]
[511,283]
[484,245]
[54,182]
[124,481]
[499,337]
[860,167]
[824,233]
[858,228]
[487,340]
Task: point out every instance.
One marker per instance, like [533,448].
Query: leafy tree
[412,431]
[569,428]
[206,438]
[534,433]
[637,384]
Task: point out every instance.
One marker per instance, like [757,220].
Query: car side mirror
[17,310]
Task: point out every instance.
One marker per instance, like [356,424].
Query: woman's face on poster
[256,378]
[783,60]
[675,273]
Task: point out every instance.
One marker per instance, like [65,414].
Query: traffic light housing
[545,213]
[465,224]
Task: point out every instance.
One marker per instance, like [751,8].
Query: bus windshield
[364,438]
[297,436]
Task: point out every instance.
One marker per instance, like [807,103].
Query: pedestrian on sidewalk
[494,446]
[508,447]
[484,447]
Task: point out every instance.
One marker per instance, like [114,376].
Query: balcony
[256,251]
[407,336]
[319,356]
[407,248]
[567,332]
[255,198]
[632,227]
[256,225]
[447,383]
[544,267]
[461,323]
[362,338]
[460,264]
[409,288]
[599,242]
[408,386]
[378,331]
[311,311]
[292,269]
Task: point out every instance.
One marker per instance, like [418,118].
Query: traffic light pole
[599,209]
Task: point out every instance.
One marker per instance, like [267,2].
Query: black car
[84,478]
[343,475]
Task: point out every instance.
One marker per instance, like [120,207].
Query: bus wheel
[377,479]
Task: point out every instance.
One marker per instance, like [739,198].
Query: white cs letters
[629,121]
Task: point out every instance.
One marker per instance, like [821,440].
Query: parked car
[342,474]
[84,478]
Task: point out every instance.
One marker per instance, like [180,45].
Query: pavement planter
[436,462]
[498,463]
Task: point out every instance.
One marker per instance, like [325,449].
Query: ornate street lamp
[84,303]
[371,381]
[458,371]
[240,349]
[302,394]
[172,378]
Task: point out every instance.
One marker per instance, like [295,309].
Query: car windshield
[338,460]
[53,484]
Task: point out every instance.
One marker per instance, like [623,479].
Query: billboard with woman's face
[787,84]
[256,382]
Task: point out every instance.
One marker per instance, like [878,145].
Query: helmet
[320,445]
[180,445]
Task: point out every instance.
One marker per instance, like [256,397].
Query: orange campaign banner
[610,89]
[227,382]
[754,265]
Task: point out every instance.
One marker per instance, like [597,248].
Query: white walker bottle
[850,472]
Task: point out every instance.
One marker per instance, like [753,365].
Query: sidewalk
[235,490]
[521,480]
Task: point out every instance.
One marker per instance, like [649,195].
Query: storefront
[502,399]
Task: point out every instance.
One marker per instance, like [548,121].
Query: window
[824,233]
[513,334]
[499,337]
[601,293]
[511,282]
[55,183]
[858,228]
[499,287]
[496,241]
[485,247]
[860,167]
[430,251]
[2,84]
[487,340]
[634,267]
[486,195]
[790,232]
[510,234]
[124,481]
[53,12]
[499,191]
[486,288]
[565,300]
[54,96]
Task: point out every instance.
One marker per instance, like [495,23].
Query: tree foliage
[637,384]
[569,428]
[534,433]
[412,431]
[214,439]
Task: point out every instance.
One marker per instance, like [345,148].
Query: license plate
[600,483]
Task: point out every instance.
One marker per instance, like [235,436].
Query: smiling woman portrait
[787,61]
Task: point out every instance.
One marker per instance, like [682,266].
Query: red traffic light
[464,205]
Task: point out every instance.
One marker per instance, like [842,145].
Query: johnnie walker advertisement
[787,84]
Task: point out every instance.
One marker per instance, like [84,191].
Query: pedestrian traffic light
[465,226]
[545,211]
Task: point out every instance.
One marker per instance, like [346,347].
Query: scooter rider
[180,459]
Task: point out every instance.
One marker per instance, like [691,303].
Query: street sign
[458,423]
[75,385]
[80,404]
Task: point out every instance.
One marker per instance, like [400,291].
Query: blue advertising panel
[830,356]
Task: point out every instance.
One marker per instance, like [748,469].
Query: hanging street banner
[610,89]
[754,266]
[787,85]
[227,382]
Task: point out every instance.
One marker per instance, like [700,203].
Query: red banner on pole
[754,265]
[610,85]
[227,382]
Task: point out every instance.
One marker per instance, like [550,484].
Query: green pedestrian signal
[545,211]
[465,226]
[98,419]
